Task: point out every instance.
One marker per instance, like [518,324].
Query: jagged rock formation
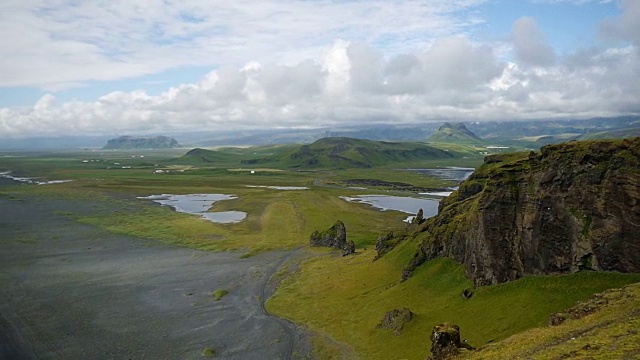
[395,320]
[445,342]
[455,132]
[131,142]
[349,248]
[572,206]
[335,237]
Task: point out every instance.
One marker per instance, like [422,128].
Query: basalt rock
[335,236]
[570,207]
[445,342]
[395,320]
[349,248]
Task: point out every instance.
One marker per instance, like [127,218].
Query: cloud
[54,45]
[627,25]
[530,45]
[270,70]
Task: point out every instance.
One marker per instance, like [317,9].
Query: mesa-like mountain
[341,152]
[132,142]
[454,133]
[570,207]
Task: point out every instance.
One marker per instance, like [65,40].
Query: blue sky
[81,67]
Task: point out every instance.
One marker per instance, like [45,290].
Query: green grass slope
[341,300]
[603,327]
[342,152]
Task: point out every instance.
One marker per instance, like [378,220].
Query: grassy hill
[340,152]
[605,326]
[454,133]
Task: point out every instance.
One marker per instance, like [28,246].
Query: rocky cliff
[570,207]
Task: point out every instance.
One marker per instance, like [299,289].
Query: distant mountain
[454,133]
[535,133]
[131,142]
[341,152]
[200,156]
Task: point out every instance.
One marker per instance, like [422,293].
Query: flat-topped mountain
[454,133]
[132,142]
[573,206]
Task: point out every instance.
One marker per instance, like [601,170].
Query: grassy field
[339,299]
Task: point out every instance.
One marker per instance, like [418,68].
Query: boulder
[349,248]
[445,342]
[395,320]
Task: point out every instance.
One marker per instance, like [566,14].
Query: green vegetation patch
[219,294]
[345,298]
[208,352]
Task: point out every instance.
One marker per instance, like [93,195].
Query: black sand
[72,291]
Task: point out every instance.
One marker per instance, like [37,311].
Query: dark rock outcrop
[585,307]
[445,342]
[395,320]
[571,207]
[335,236]
[349,248]
[131,142]
[385,243]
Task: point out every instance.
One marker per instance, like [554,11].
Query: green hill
[454,133]
[340,152]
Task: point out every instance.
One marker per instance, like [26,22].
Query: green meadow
[340,300]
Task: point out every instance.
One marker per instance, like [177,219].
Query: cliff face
[573,206]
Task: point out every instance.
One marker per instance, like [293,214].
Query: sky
[94,67]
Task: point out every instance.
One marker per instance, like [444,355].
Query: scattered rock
[395,320]
[419,218]
[581,309]
[349,248]
[467,294]
[384,243]
[335,236]
[445,342]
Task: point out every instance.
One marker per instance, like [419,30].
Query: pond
[453,173]
[28,180]
[409,205]
[199,204]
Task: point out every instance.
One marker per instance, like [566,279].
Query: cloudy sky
[98,67]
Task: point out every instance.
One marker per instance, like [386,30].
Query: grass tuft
[219,294]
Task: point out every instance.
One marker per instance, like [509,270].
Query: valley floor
[72,291]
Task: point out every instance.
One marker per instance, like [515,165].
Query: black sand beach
[72,291]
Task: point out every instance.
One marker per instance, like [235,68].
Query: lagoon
[199,204]
[409,205]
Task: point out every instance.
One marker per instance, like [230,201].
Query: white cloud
[58,44]
[627,25]
[272,71]
[530,45]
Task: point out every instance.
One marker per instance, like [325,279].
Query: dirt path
[71,291]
